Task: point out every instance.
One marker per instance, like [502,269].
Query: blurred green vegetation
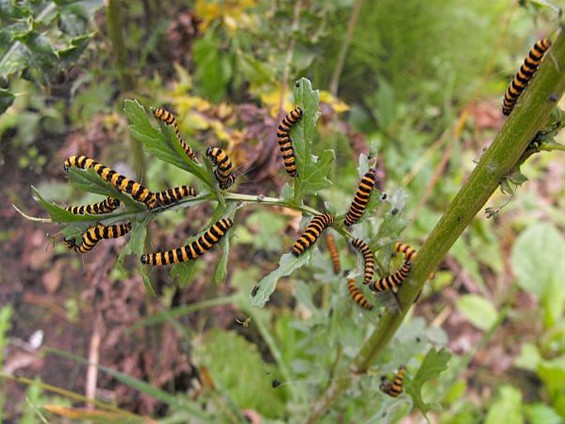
[418,87]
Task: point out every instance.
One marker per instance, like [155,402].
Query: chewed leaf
[312,170]
[287,265]
[161,144]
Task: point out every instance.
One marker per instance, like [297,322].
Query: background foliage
[419,90]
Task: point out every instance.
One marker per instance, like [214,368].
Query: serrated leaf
[71,53]
[246,383]
[432,366]
[162,144]
[312,171]
[478,311]
[6,100]
[287,265]
[58,213]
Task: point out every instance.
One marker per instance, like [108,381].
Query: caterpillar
[192,250]
[206,378]
[334,254]
[105,206]
[362,247]
[395,387]
[173,195]
[96,233]
[392,280]
[169,119]
[524,75]
[409,253]
[285,141]
[223,165]
[318,224]
[361,198]
[121,183]
[254,291]
[357,295]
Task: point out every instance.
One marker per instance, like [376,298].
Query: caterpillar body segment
[395,387]
[522,78]
[96,233]
[392,280]
[105,206]
[313,231]
[173,195]
[192,250]
[120,182]
[361,198]
[368,258]
[169,119]
[334,253]
[224,167]
[357,295]
[285,141]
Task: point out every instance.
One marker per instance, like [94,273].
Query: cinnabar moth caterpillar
[361,199]
[169,119]
[173,195]
[105,206]
[357,295]
[363,247]
[285,141]
[334,253]
[318,224]
[409,254]
[192,250]
[524,75]
[223,165]
[121,183]
[392,280]
[96,233]
[254,291]
[395,387]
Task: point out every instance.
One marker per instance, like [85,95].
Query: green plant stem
[531,113]
[115,32]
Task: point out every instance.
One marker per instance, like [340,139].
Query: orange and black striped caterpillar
[223,165]
[395,387]
[362,247]
[173,195]
[357,295]
[409,254]
[334,253]
[361,199]
[192,250]
[96,233]
[392,280]
[524,75]
[169,119]
[318,224]
[285,141]
[105,206]
[206,378]
[121,183]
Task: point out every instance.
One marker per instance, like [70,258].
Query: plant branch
[531,113]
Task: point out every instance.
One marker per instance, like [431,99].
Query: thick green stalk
[531,113]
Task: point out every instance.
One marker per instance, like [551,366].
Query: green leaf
[540,413]
[552,373]
[162,144]
[72,53]
[506,408]
[5,317]
[478,310]
[529,357]
[246,383]
[287,264]
[6,100]
[432,366]
[312,171]
[537,260]
[222,267]
[58,213]
[213,66]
